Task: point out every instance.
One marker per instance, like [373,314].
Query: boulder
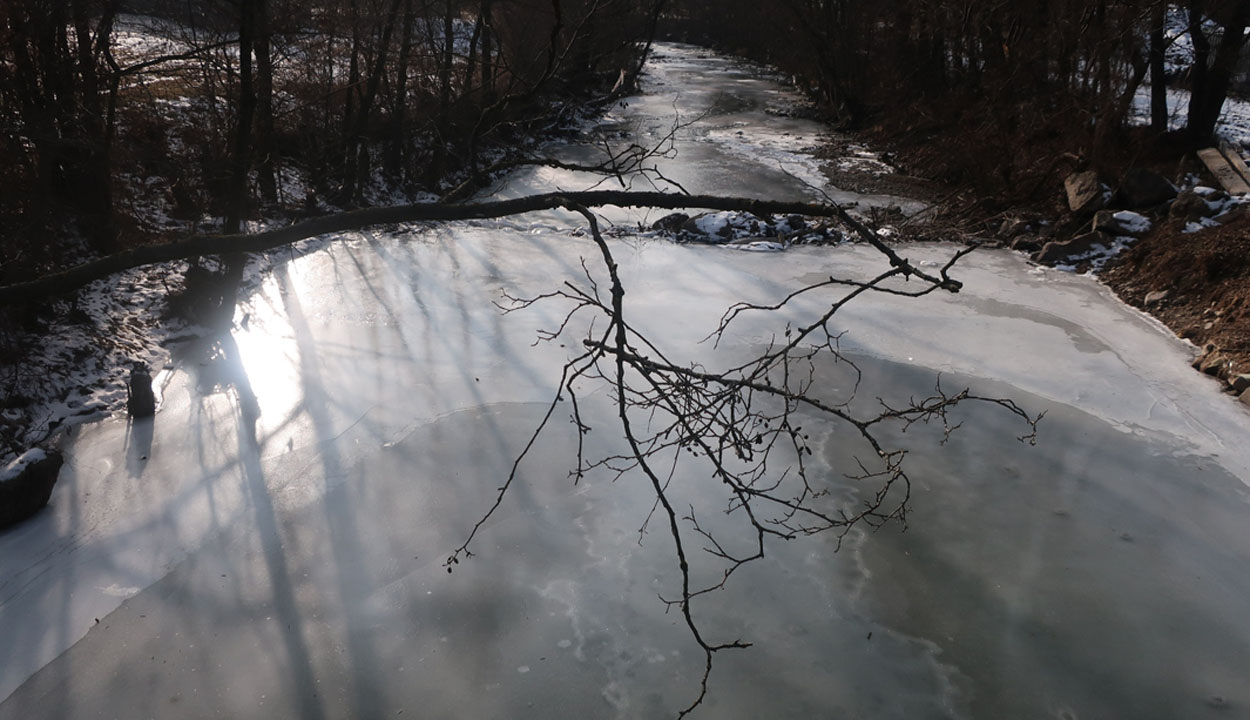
[1143,188]
[1085,193]
[724,226]
[1026,243]
[1156,297]
[1245,398]
[1124,222]
[714,226]
[26,484]
[1213,362]
[1190,206]
[1240,383]
[670,223]
[1058,250]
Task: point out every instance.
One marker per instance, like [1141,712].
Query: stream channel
[273,543]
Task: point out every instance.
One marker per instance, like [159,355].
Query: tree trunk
[1197,71]
[398,140]
[265,172]
[488,71]
[443,123]
[347,178]
[630,80]
[470,65]
[357,169]
[1158,81]
[91,187]
[241,161]
[1205,107]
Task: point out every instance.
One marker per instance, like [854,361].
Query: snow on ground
[1131,226]
[861,158]
[1234,124]
[1098,256]
[76,370]
[21,462]
[137,38]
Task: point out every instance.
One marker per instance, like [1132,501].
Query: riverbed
[273,543]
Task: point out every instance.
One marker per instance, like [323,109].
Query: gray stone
[26,493]
[1085,193]
[1143,188]
[1055,251]
[1213,362]
[1189,205]
[1026,243]
[1241,382]
[1156,297]
[670,223]
[1012,228]
[1245,398]
[1106,221]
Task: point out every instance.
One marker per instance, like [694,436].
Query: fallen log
[198,246]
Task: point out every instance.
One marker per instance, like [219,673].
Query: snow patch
[1098,255]
[1199,225]
[1133,223]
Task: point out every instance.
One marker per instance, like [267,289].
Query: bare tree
[1211,75]
[52,72]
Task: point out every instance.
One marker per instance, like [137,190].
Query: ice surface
[272,541]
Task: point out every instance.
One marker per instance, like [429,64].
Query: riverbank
[66,361]
[1194,277]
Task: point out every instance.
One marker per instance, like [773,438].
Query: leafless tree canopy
[109,119]
[1009,89]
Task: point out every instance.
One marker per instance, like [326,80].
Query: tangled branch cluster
[742,423]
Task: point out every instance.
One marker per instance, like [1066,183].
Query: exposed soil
[851,167]
[1206,278]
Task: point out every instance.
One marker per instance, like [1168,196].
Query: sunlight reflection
[268,354]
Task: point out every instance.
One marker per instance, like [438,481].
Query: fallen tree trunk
[199,246]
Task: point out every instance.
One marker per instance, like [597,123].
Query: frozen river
[273,544]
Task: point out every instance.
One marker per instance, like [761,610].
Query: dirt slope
[1201,286]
